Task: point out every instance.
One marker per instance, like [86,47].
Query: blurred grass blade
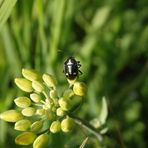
[99,20]
[1,1]
[58,18]
[10,50]
[3,133]
[104,130]
[101,119]
[100,17]
[42,35]
[104,111]
[5,10]
[84,143]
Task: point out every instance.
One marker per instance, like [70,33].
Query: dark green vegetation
[109,37]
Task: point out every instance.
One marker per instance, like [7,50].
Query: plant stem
[87,126]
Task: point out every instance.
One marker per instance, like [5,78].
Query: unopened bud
[56,103]
[24,84]
[41,141]
[55,126]
[31,74]
[22,125]
[35,97]
[53,94]
[29,111]
[60,112]
[22,102]
[11,116]
[40,111]
[68,93]
[49,80]
[50,115]
[65,104]
[38,86]
[67,124]
[36,126]
[25,138]
[79,88]
[53,109]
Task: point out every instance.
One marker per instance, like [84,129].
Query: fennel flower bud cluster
[42,104]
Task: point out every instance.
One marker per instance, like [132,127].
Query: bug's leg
[80,72]
[78,63]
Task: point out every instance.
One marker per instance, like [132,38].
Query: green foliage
[5,10]
[109,37]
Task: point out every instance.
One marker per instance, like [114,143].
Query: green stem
[88,127]
[85,125]
[46,96]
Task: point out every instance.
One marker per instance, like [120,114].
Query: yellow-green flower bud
[31,74]
[68,93]
[67,124]
[22,125]
[79,88]
[53,109]
[50,114]
[22,102]
[60,112]
[47,105]
[41,141]
[56,103]
[49,80]
[25,138]
[38,86]
[40,111]
[36,126]
[29,111]
[24,84]
[11,116]
[65,104]
[55,126]
[53,94]
[35,97]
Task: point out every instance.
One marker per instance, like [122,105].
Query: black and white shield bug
[71,68]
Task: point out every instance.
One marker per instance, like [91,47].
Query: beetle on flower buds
[71,68]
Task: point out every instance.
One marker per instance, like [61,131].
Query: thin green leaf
[104,130]
[1,1]
[3,133]
[5,10]
[101,119]
[58,18]
[100,17]
[84,143]
[10,50]
[103,112]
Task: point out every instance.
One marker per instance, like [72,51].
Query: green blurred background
[109,37]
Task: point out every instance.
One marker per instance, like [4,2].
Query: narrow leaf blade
[104,111]
[84,143]
[5,11]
